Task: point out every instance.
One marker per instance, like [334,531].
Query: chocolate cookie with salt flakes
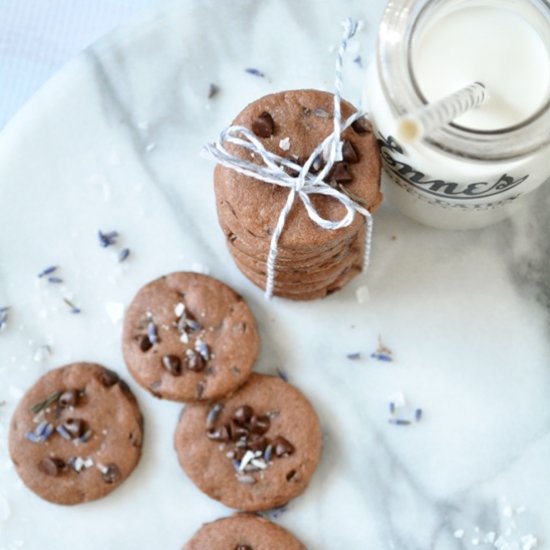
[243,532]
[253,450]
[189,337]
[77,434]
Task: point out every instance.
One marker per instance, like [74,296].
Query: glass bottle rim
[400,21]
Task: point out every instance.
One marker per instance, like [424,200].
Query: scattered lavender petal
[358,61]
[353,356]
[107,239]
[268,453]
[55,280]
[4,317]
[63,432]
[392,408]
[236,465]
[381,357]
[213,91]
[192,325]
[85,437]
[282,375]
[418,415]
[48,431]
[152,333]
[399,421]
[41,428]
[254,72]
[202,348]
[49,270]
[73,309]
[213,414]
[123,254]
[321,113]
[33,438]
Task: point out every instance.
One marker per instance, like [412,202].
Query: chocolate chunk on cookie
[77,434]
[189,337]
[243,532]
[254,450]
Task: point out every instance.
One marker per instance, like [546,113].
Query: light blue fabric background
[37,37]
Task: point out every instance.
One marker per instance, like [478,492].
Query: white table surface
[37,37]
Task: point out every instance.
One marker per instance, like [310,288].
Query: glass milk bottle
[471,172]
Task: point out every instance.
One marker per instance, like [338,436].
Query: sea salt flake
[179,310]
[528,542]
[284,144]
[398,399]
[115,311]
[507,512]
[362,294]
[459,533]
[490,537]
[5,510]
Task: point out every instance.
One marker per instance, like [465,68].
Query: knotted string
[276,170]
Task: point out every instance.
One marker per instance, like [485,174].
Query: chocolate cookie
[311,261]
[189,337]
[254,450]
[77,434]
[243,532]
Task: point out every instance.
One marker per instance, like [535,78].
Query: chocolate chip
[243,547]
[243,415]
[291,475]
[258,443]
[219,434]
[52,466]
[263,126]
[340,173]
[172,364]
[111,474]
[283,447]
[75,426]
[194,360]
[238,431]
[349,153]
[260,424]
[362,126]
[144,343]
[108,378]
[68,399]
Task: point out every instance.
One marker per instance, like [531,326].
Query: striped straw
[415,126]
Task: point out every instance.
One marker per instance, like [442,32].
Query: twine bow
[303,183]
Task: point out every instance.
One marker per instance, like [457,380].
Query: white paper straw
[416,125]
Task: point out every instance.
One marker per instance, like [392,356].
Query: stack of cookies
[312,262]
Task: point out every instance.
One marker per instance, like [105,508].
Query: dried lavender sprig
[52,398]
[123,255]
[48,271]
[254,72]
[107,239]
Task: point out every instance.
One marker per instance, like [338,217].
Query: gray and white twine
[304,183]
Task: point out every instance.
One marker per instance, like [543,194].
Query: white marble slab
[113,143]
